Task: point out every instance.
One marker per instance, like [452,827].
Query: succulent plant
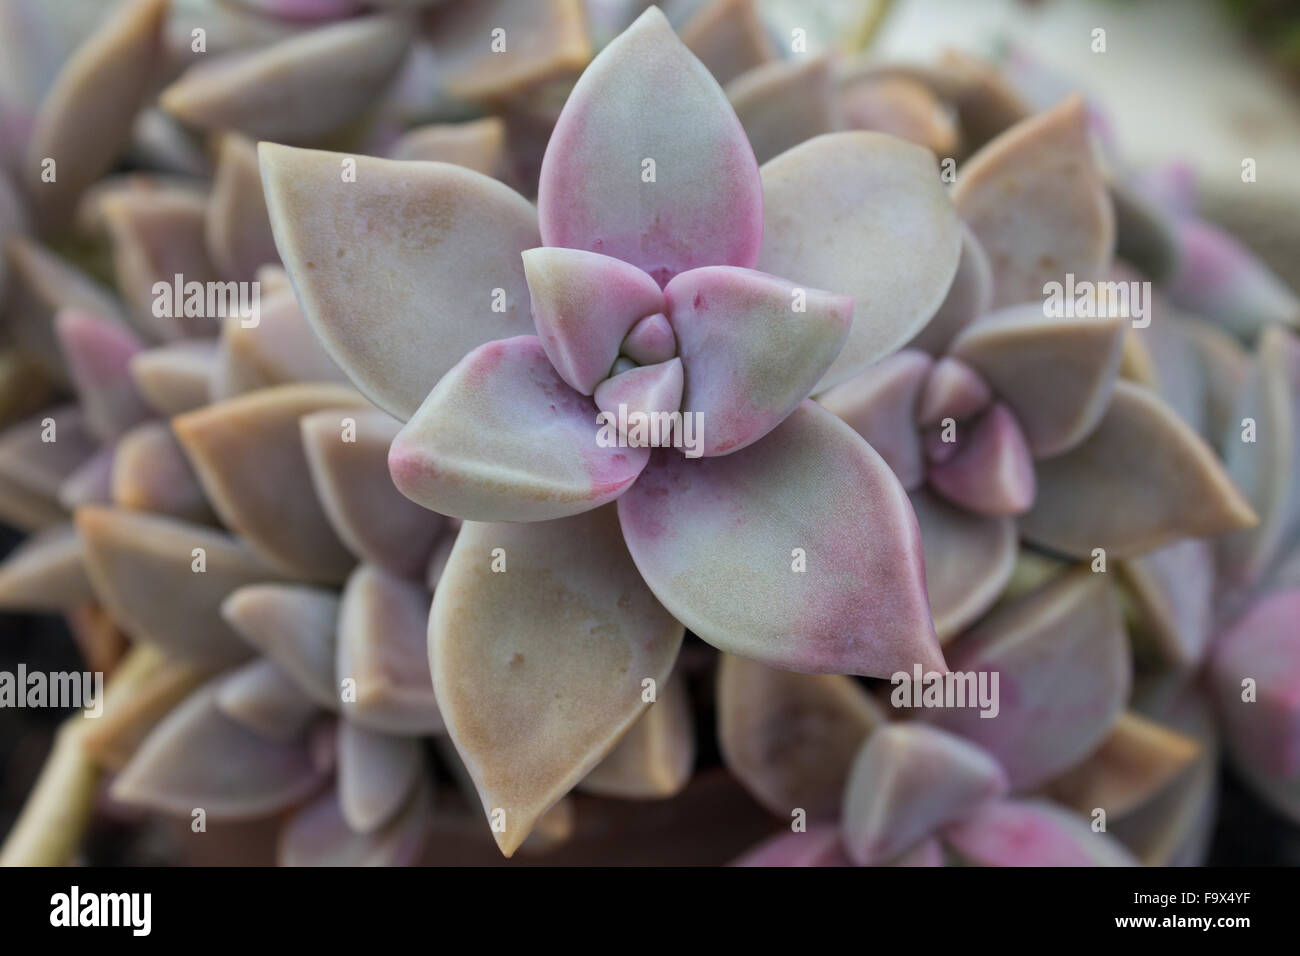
[584,454]
[651,238]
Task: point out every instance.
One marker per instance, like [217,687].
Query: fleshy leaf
[377,774]
[199,757]
[646,389]
[655,757]
[1162,357]
[1220,278]
[238,228]
[229,27]
[479,145]
[991,472]
[261,697]
[151,473]
[819,845]
[98,353]
[1062,660]
[159,142]
[156,235]
[45,573]
[350,473]
[651,340]
[753,346]
[147,685]
[321,79]
[37,455]
[547,39]
[27,510]
[969,297]
[84,121]
[909,779]
[91,482]
[39,452]
[1225,366]
[1142,479]
[900,106]
[1037,202]
[719,539]
[1261,727]
[91,221]
[953,390]
[278,348]
[791,738]
[247,451]
[1267,469]
[1173,588]
[502,437]
[381,648]
[1175,827]
[729,38]
[294,626]
[584,304]
[881,405]
[783,103]
[40,285]
[452,234]
[176,378]
[319,835]
[1055,374]
[968,560]
[646,98]
[1033,833]
[539,670]
[143,569]
[1135,763]
[866,215]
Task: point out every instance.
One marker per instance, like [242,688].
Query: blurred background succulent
[1113,528]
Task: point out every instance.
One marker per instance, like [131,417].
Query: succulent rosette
[644,243]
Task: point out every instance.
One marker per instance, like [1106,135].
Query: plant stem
[58,810]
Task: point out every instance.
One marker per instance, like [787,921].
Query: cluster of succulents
[369,583]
